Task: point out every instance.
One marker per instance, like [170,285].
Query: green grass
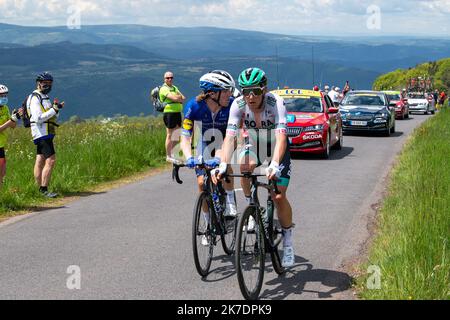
[87,154]
[412,245]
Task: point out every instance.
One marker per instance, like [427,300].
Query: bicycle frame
[211,189]
[268,217]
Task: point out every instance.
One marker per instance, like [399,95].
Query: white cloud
[338,17]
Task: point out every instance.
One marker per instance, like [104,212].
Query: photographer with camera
[43,115]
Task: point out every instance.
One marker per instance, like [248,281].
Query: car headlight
[318,127]
[383,115]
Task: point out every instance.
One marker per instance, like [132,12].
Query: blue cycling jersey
[199,111]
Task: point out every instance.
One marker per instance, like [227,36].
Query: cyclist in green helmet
[261,118]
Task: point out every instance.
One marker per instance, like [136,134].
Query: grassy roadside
[88,154]
[411,249]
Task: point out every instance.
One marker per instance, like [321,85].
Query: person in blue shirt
[211,109]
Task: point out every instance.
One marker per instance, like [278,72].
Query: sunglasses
[258,91]
[168,78]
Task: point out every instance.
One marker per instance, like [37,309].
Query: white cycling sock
[249,200]
[230,197]
[287,241]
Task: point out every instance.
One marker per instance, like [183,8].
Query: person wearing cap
[173,117]
[43,116]
[6,121]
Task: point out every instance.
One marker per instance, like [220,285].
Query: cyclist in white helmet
[6,121]
[211,109]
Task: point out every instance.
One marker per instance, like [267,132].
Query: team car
[401,105]
[418,102]
[314,124]
[367,111]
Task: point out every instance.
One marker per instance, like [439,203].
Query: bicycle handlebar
[271,186]
[176,170]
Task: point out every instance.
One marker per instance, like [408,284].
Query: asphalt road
[135,242]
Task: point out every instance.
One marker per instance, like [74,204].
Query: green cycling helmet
[252,77]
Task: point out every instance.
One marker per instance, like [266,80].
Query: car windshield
[416,96]
[364,100]
[394,97]
[304,104]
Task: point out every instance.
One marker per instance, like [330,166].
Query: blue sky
[296,17]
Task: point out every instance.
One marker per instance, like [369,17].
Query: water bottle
[265,217]
[269,209]
[216,202]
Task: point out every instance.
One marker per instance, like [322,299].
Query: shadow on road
[225,271]
[372,134]
[82,194]
[334,155]
[41,209]
[295,282]
[341,154]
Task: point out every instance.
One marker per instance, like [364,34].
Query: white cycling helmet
[3,89]
[217,80]
[337,89]
[327,88]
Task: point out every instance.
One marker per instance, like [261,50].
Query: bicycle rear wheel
[250,255]
[202,238]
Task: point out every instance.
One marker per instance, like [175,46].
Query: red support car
[314,124]
[400,104]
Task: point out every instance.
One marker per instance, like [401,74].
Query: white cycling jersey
[42,116]
[273,116]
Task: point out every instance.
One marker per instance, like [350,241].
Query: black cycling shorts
[2,153]
[46,148]
[172,120]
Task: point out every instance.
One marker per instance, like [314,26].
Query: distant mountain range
[110,69]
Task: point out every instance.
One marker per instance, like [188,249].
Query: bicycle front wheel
[202,238]
[250,254]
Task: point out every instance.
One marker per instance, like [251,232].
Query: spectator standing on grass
[6,121]
[441,100]
[43,116]
[436,96]
[173,111]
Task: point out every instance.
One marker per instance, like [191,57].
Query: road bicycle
[252,244]
[206,229]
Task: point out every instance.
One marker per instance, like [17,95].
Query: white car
[418,102]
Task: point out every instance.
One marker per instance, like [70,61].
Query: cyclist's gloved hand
[213,163]
[15,116]
[221,170]
[191,163]
[273,171]
[57,106]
